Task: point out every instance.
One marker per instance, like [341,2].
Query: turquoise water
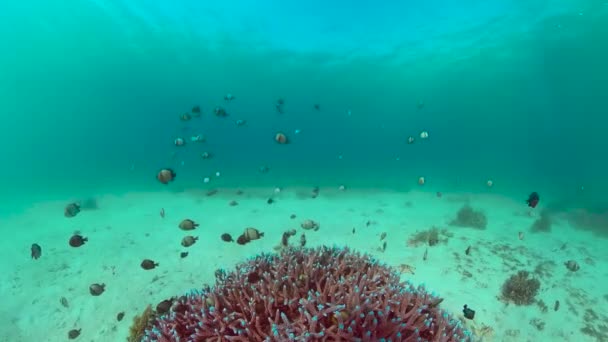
[513,91]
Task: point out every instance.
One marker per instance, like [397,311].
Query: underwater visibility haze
[304,171]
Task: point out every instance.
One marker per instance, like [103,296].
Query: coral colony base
[303,294]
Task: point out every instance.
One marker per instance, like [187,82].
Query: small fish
[120,316]
[97,289]
[353,230]
[196,109]
[382,236]
[303,240]
[468,250]
[78,240]
[64,302]
[556,306]
[227,237]
[468,313]
[164,306]
[148,264]
[240,122]
[162,212]
[270,201]
[183,254]
[72,334]
[165,176]
[36,251]
[188,224]
[317,107]
[426,254]
[229,97]
[533,200]
[71,210]
[189,240]
[521,235]
[220,112]
[185,117]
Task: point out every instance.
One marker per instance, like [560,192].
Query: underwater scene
[304,171]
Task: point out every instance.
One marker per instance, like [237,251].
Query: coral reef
[520,289]
[140,324]
[429,237]
[543,223]
[467,217]
[304,294]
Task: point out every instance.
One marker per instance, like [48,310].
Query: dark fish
[317,107]
[97,289]
[183,254]
[72,334]
[71,210]
[242,240]
[148,264]
[189,240]
[36,251]
[196,109]
[468,313]
[64,302]
[292,216]
[220,112]
[164,306]
[120,316]
[227,237]
[533,200]
[187,224]
[270,201]
[77,240]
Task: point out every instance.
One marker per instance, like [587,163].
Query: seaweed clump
[468,217]
[140,324]
[520,289]
[543,223]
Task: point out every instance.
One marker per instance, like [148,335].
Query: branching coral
[520,289]
[467,217]
[301,294]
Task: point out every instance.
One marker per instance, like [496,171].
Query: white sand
[125,230]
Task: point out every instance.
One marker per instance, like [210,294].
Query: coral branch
[323,294]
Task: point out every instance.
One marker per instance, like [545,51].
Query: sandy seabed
[124,230]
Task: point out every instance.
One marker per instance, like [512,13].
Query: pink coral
[322,294]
